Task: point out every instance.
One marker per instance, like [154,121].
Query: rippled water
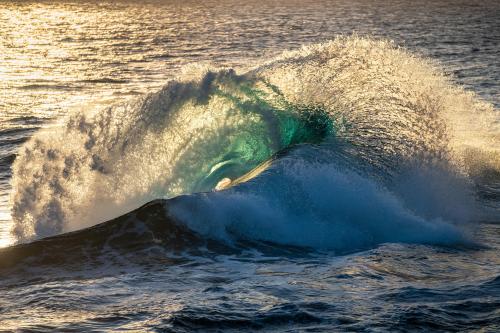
[61,57]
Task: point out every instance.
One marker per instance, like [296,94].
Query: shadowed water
[376,207]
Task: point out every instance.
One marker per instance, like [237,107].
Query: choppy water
[376,208]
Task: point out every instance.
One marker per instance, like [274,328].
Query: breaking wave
[342,145]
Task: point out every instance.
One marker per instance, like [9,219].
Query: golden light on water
[6,238]
[48,68]
[351,153]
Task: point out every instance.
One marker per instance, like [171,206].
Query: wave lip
[391,110]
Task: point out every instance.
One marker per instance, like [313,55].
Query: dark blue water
[350,185]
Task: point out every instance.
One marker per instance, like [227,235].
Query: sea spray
[390,111]
[311,204]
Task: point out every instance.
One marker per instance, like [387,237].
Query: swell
[141,229]
[368,113]
[147,236]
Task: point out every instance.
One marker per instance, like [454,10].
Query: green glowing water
[272,124]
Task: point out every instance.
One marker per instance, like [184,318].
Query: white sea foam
[313,205]
[396,113]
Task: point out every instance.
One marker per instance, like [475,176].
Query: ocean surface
[274,166]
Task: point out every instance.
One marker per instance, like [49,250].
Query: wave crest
[392,112]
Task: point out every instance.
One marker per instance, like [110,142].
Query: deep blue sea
[270,166]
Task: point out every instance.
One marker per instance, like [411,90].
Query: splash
[388,117]
[184,139]
[311,205]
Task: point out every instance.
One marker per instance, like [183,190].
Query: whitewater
[378,145]
[350,183]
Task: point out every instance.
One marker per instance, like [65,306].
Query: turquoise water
[375,202]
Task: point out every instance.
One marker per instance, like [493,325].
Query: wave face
[363,143]
[310,205]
